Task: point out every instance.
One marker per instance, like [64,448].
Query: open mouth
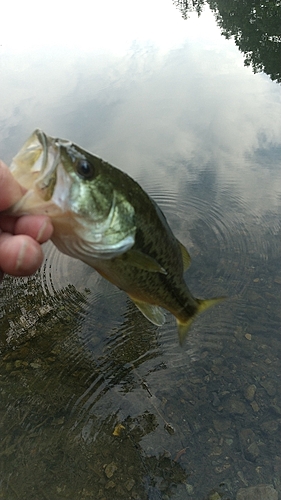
[42,138]
[35,168]
[31,160]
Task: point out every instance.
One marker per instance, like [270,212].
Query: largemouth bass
[104,218]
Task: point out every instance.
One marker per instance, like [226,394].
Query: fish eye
[85,170]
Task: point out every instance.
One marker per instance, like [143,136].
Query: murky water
[95,401]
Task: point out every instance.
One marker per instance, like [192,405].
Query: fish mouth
[31,160]
[43,140]
[50,171]
[36,167]
[47,170]
[32,163]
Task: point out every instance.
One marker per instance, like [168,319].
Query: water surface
[95,401]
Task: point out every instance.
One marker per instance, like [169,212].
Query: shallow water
[95,401]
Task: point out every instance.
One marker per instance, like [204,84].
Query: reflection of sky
[141,88]
[96,25]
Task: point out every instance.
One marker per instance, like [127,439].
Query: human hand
[20,237]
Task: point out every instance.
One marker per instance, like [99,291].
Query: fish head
[91,216]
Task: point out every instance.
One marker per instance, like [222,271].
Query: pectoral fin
[152,313]
[142,261]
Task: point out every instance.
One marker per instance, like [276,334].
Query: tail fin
[202,306]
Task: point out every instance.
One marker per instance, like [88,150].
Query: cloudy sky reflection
[145,93]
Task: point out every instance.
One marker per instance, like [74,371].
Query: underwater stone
[260,492]
[250,392]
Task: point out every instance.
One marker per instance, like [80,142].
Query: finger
[7,223]
[20,255]
[39,227]
[11,191]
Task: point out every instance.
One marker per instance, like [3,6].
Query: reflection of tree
[186,6]
[256,29]
[255,26]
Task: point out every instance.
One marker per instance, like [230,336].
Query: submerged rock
[249,445]
[260,492]
[250,392]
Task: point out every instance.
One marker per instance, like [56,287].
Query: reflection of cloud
[97,25]
[151,105]
[221,119]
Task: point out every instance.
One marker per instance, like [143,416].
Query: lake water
[97,403]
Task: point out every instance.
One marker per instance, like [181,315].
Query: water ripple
[227,246]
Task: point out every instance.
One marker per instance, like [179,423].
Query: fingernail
[21,256]
[41,231]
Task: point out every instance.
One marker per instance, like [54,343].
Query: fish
[104,218]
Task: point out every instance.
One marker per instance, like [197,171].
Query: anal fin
[153,313]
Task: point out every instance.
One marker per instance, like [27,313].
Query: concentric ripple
[227,244]
[230,244]
[59,270]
